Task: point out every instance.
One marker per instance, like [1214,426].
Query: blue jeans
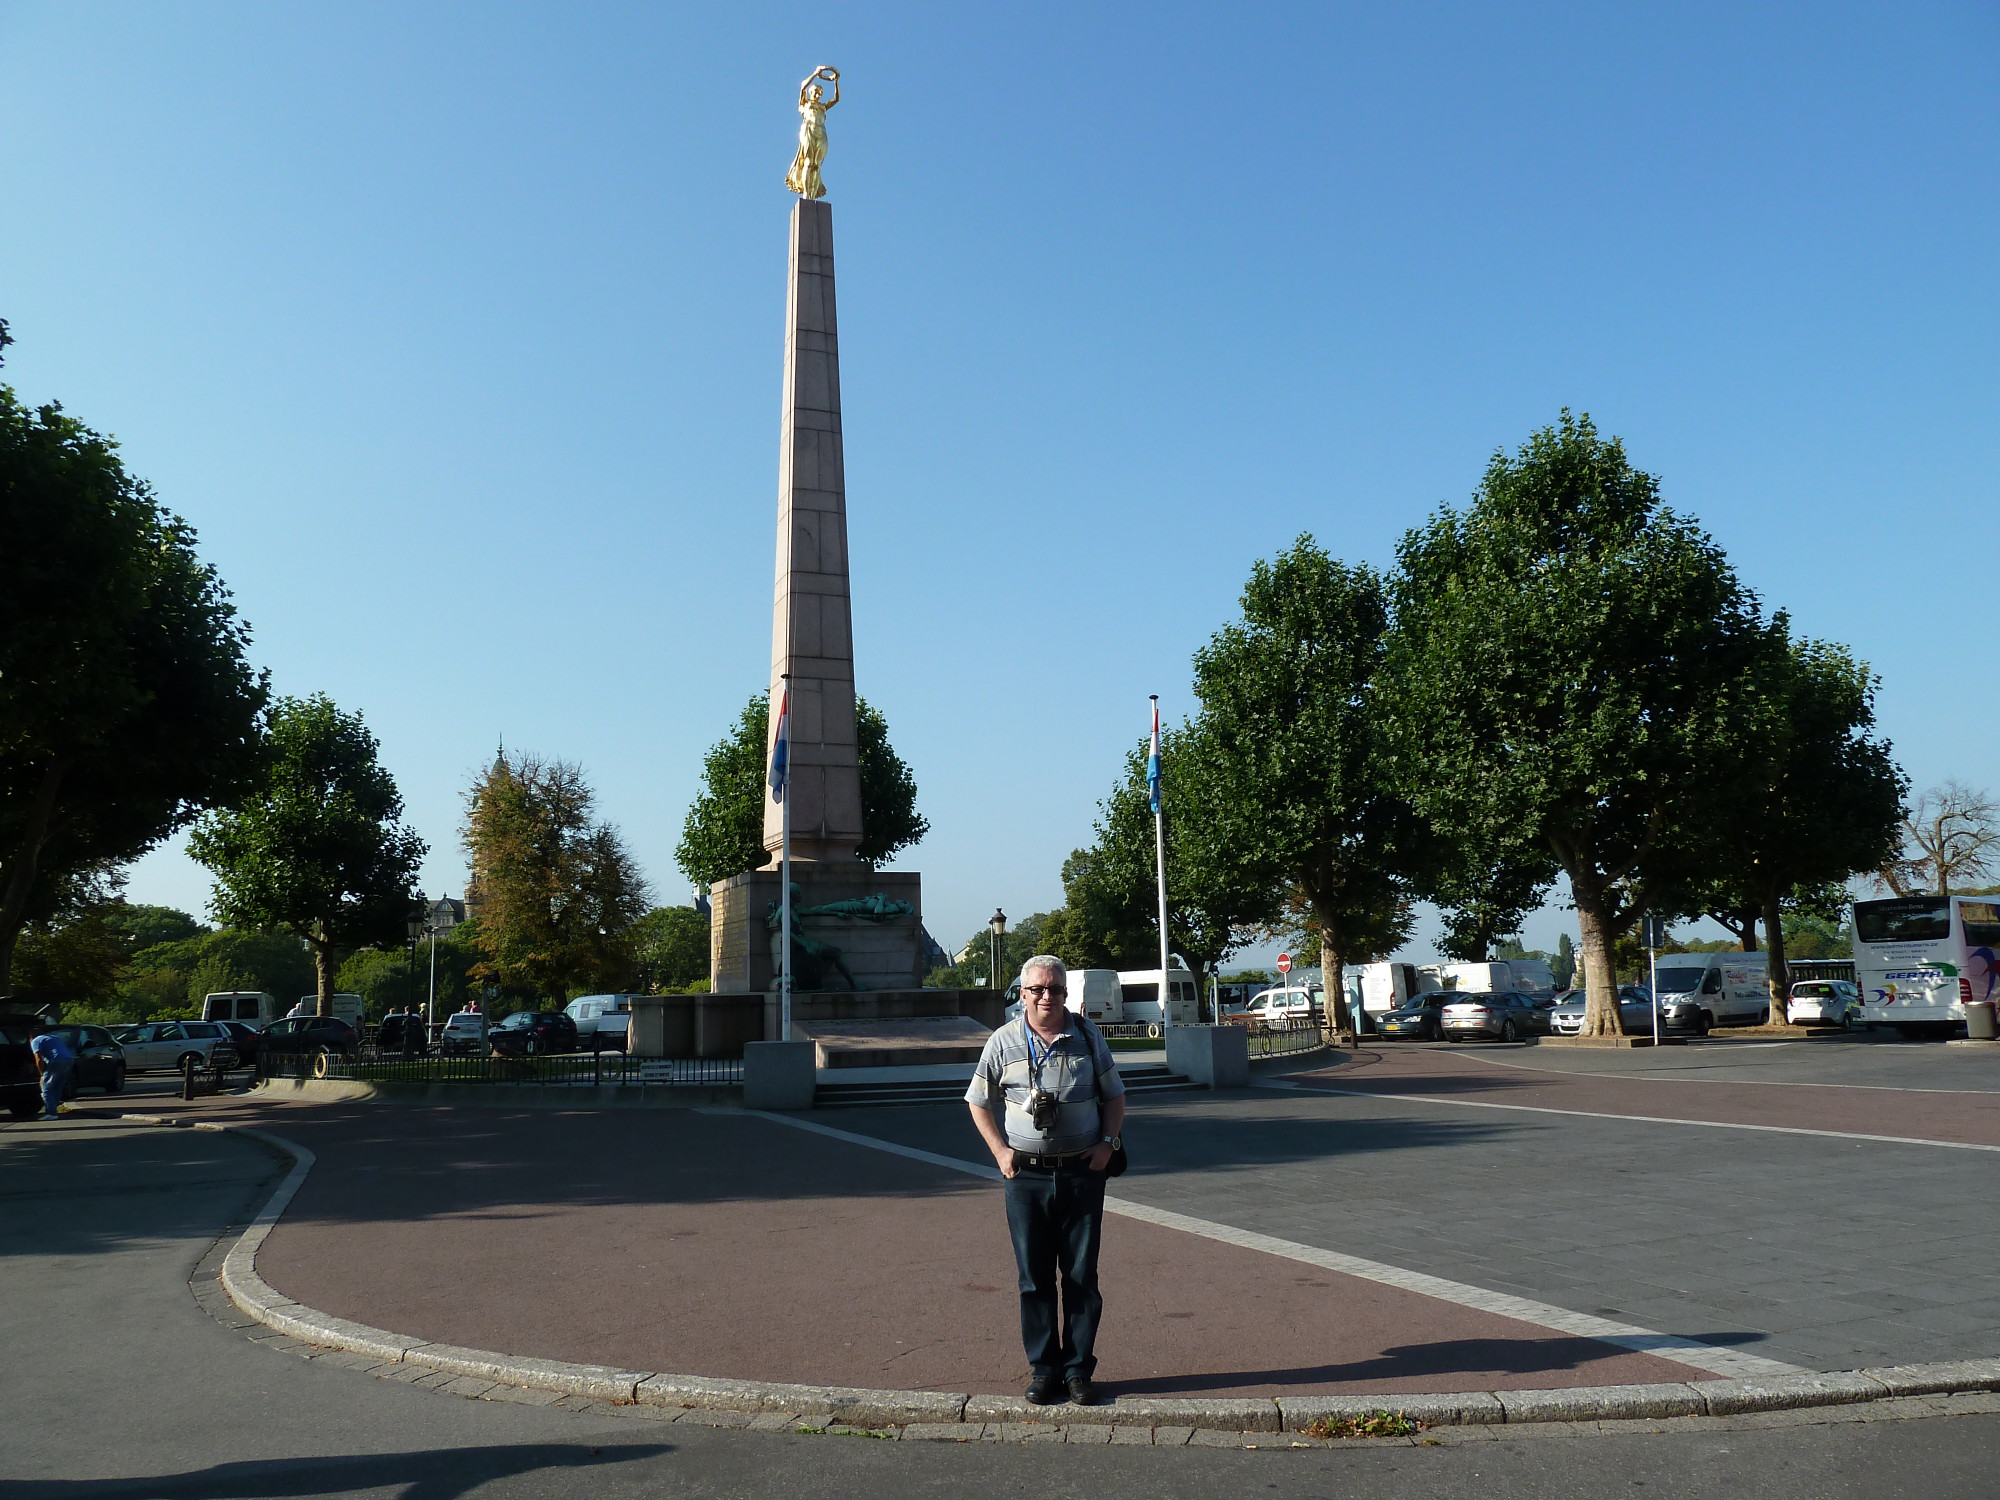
[1057,1219]
[53,1082]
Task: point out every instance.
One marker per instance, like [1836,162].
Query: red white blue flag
[1153,761]
[781,747]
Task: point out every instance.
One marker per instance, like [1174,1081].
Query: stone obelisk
[812,639]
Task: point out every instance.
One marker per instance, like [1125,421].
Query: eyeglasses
[1037,991]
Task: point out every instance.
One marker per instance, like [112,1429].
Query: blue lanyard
[1034,1062]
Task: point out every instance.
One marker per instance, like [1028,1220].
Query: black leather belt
[1049,1163]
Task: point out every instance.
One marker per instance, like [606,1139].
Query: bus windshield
[1905,919]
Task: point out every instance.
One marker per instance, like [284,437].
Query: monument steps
[1147,1078]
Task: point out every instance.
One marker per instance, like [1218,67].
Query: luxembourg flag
[781,748]
[1153,761]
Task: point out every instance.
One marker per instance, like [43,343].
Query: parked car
[20,1083]
[248,1039]
[403,1030]
[464,1035]
[1829,1002]
[527,1033]
[601,1020]
[1635,1012]
[166,1045]
[1283,1009]
[1420,1018]
[100,1061]
[1508,1016]
[326,1037]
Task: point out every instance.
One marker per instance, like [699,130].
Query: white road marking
[1716,1361]
[1599,1114]
[1762,1083]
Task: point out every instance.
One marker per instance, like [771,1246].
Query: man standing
[53,1060]
[1054,1087]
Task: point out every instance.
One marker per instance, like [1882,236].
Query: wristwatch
[1115,1142]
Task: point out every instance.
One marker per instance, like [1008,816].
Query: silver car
[1635,1012]
[1509,1016]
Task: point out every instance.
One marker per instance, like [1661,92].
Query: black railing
[1304,1037]
[571,1069]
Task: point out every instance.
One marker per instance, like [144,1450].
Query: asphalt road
[119,1386]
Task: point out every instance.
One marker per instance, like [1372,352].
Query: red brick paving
[730,1246]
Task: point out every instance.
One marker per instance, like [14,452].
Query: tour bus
[1918,959]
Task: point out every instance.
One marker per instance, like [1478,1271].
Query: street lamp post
[998,928]
[417,922]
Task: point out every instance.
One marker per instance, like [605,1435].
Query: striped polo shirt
[1077,1067]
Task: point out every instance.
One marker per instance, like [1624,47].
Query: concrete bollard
[779,1075]
[1217,1057]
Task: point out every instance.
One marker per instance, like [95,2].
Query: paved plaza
[1817,1206]
[843,1247]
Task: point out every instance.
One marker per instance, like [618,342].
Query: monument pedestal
[881,953]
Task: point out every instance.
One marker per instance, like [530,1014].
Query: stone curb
[858,1408]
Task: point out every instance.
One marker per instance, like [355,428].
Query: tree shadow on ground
[433,1474]
[1468,1362]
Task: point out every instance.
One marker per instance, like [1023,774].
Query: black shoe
[1045,1391]
[1081,1391]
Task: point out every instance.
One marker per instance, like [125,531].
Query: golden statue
[803,179]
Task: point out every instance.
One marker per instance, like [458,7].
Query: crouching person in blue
[53,1060]
[1048,1100]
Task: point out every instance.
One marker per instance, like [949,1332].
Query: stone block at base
[1608,1041]
[778,1075]
[1217,1057]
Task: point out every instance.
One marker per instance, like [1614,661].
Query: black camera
[1043,1108]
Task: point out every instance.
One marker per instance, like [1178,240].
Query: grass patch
[1374,1424]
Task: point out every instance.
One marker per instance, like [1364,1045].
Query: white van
[1095,994]
[1385,986]
[1139,997]
[1528,976]
[1700,991]
[253,1008]
[257,1010]
[348,1008]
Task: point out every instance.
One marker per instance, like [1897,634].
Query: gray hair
[1048,963]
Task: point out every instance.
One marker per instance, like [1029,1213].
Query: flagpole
[785,870]
[1160,866]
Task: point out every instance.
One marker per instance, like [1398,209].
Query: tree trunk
[1333,974]
[1600,1013]
[323,965]
[22,866]
[1778,972]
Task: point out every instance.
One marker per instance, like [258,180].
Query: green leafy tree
[554,890]
[126,702]
[389,979]
[1484,887]
[1110,915]
[317,849]
[669,949]
[1564,650]
[724,832]
[1563,965]
[1294,783]
[1805,798]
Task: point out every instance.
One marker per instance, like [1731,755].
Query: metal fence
[1305,1038]
[576,1069]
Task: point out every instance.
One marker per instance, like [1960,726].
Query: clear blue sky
[456,332]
